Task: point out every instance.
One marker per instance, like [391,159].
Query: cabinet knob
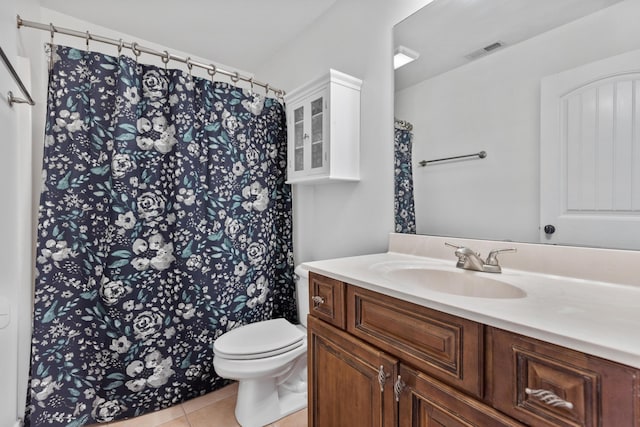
[548,397]
[317,300]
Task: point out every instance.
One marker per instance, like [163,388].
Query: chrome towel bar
[481,155]
[10,98]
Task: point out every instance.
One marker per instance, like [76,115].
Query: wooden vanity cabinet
[385,357]
[378,361]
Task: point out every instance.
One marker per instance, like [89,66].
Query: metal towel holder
[10,98]
[481,155]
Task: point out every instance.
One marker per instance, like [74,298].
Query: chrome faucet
[470,260]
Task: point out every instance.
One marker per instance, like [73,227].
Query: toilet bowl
[269,361]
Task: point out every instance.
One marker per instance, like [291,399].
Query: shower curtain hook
[135,50]
[120,46]
[212,71]
[87,38]
[235,78]
[266,90]
[49,52]
[52,30]
[190,67]
[251,89]
[165,59]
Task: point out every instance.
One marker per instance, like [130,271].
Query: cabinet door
[326,299]
[425,402]
[309,135]
[344,385]
[318,121]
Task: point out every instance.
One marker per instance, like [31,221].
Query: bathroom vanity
[534,348]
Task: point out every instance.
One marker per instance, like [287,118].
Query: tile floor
[211,410]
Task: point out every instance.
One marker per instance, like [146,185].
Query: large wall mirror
[550,90]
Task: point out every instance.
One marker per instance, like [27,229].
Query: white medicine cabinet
[323,130]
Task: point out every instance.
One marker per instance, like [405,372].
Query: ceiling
[445,31]
[239,33]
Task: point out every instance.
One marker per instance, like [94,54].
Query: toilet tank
[302,294]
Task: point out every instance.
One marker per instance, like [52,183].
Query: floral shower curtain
[164,222]
[405,217]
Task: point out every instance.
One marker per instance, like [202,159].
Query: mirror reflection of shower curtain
[404,209]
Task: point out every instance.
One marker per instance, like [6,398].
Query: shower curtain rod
[137,49]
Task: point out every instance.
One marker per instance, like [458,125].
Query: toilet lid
[260,339]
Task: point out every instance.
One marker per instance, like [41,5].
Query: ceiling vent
[485,50]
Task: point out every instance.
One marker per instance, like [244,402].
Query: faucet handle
[452,245]
[492,258]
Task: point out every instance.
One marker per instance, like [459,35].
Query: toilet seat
[259,340]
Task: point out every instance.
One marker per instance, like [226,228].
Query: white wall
[355,37]
[493,104]
[8,219]
[16,215]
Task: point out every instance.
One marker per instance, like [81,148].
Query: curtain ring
[135,50]
[267,88]
[235,78]
[120,46]
[280,94]
[190,67]
[251,82]
[165,59]
[87,38]
[212,71]
[52,30]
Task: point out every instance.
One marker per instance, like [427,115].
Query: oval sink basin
[464,283]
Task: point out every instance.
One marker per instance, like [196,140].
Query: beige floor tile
[152,419]
[297,419]
[218,414]
[206,400]
[178,422]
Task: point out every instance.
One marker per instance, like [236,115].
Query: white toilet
[269,361]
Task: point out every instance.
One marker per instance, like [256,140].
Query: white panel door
[590,154]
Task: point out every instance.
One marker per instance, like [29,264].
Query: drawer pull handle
[317,300]
[398,387]
[549,398]
[382,378]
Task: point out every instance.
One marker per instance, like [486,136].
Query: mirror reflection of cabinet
[324,130]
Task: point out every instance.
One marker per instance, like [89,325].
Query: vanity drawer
[446,347]
[326,299]
[543,384]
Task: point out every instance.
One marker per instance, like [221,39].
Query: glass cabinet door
[299,137]
[317,133]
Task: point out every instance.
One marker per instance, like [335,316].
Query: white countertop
[596,317]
